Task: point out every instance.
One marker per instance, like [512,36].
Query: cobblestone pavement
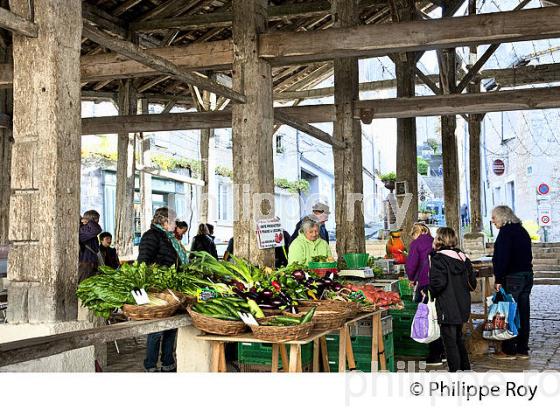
[544,342]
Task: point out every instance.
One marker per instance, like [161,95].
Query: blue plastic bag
[502,322]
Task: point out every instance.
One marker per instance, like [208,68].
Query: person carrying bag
[425,326]
[452,278]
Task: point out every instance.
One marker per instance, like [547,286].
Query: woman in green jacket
[308,244]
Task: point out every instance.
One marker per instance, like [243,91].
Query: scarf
[176,245]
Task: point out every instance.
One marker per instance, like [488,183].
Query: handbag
[100,258]
[425,327]
[502,322]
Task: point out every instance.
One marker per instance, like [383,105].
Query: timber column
[348,174]
[407,167]
[126,175]
[6,103]
[45,200]
[253,168]
[448,79]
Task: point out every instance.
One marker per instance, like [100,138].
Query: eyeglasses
[318,211]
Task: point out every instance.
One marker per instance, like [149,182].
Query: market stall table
[218,361]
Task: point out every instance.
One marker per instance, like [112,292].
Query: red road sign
[499,167]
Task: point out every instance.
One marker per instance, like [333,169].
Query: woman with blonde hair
[417,270]
[452,278]
[513,270]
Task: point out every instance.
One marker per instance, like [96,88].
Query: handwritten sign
[270,233]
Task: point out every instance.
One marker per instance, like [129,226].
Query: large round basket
[279,334]
[216,326]
[328,317]
[353,308]
[146,312]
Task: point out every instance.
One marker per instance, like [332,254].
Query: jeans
[167,341]
[519,285]
[457,356]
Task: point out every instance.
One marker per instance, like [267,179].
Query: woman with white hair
[513,270]
[308,243]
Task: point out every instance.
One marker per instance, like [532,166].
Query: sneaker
[434,362]
[504,356]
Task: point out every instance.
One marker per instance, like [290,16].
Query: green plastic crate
[361,346]
[404,288]
[405,346]
[261,354]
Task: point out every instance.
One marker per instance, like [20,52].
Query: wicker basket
[216,326]
[278,334]
[352,308]
[146,312]
[368,308]
[328,317]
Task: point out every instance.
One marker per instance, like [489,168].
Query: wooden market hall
[228,62]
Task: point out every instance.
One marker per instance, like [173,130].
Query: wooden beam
[308,129]
[434,105]
[525,99]
[17,24]
[505,77]
[158,63]
[282,12]
[45,346]
[484,58]
[378,40]
[5,121]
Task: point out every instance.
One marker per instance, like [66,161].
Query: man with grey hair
[320,211]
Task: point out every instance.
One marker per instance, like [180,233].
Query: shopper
[308,244]
[110,257]
[321,212]
[452,278]
[203,242]
[159,245]
[417,270]
[89,245]
[513,270]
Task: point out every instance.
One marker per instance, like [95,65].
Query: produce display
[234,286]
[376,296]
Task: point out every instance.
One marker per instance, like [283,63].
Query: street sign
[545,215]
[499,167]
[543,189]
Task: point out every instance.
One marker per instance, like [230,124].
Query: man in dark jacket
[321,213]
[156,247]
[89,245]
[513,269]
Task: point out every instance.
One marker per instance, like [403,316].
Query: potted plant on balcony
[389,180]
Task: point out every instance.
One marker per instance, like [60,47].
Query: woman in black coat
[204,242]
[158,245]
[513,270]
[451,280]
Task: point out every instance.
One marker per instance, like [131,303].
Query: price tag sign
[204,294]
[140,296]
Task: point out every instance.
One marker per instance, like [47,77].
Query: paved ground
[544,342]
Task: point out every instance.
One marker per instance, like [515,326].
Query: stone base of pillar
[474,245]
[79,360]
[193,355]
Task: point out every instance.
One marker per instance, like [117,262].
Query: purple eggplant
[298,275]
[277,302]
[267,294]
[337,286]
[266,306]
[327,282]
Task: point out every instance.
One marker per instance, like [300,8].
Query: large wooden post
[145,178]
[448,80]
[407,167]
[475,125]
[253,168]
[126,170]
[45,200]
[6,107]
[348,174]
[207,153]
